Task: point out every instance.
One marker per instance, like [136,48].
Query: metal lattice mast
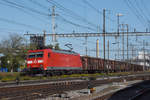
[53,24]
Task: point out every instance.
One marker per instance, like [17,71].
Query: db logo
[35,61]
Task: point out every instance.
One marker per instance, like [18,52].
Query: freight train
[58,62]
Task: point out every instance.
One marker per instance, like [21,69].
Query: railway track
[31,92]
[134,92]
[142,95]
[5,84]
[104,97]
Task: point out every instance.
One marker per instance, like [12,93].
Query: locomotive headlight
[40,61]
[29,62]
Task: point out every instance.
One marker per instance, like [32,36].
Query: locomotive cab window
[35,55]
[31,56]
[39,55]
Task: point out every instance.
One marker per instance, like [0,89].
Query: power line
[133,9]
[75,24]
[77,3]
[142,12]
[74,15]
[17,23]
[84,41]
[91,6]
[8,29]
[27,8]
[136,10]
[147,11]
[22,10]
[72,23]
[18,7]
[39,4]
[96,10]
[144,5]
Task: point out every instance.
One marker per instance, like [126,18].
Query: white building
[143,58]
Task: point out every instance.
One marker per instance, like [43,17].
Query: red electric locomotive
[50,61]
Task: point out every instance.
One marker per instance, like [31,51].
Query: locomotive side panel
[62,61]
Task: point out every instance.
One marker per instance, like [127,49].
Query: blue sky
[20,16]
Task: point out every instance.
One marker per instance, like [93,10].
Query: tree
[14,51]
[56,47]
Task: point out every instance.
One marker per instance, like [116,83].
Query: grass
[7,77]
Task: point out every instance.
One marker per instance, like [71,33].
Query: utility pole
[118,23]
[44,37]
[118,50]
[108,56]
[104,11]
[97,48]
[108,48]
[86,50]
[123,40]
[118,29]
[127,42]
[132,51]
[144,54]
[53,24]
